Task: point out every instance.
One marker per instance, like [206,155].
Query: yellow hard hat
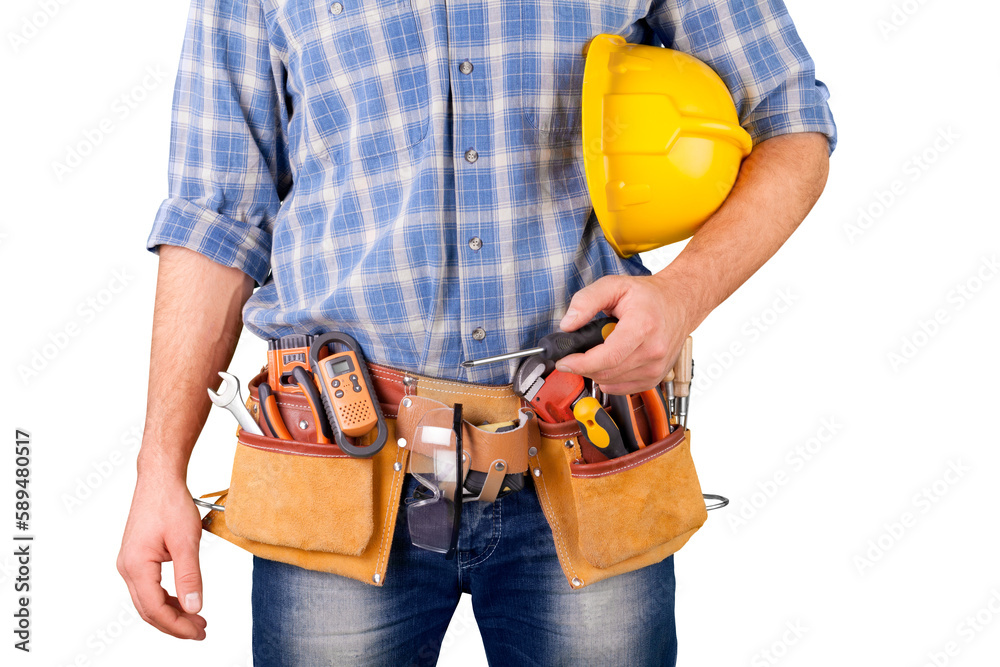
[662,143]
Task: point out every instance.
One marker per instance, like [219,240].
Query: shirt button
[475,243]
[465,68]
[479,333]
[336,8]
[471,155]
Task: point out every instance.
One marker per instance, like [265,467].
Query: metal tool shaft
[502,357]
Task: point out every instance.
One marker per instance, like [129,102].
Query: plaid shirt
[410,171]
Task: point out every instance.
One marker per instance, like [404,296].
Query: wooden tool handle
[682,370]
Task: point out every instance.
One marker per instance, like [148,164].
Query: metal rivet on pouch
[406,402]
[303,424]
[376,577]
[568,444]
[576,582]
[532,451]
[397,466]
[407,380]
[500,465]
[537,472]
[401,442]
[254,408]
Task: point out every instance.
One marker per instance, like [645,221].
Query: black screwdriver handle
[564,343]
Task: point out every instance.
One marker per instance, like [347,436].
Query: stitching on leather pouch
[294,453]
[632,465]
[560,546]
[466,393]
[559,435]
[386,529]
[383,376]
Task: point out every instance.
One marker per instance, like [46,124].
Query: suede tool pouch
[310,504]
[616,516]
[299,494]
[631,504]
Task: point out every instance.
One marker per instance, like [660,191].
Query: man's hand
[164,525]
[777,186]
[196,325]
[652,326]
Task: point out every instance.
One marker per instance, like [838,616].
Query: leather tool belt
[313,506]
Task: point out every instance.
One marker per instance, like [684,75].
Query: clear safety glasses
[437,461]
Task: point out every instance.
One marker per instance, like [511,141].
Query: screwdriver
[599,428]
[683,372]
[557,345]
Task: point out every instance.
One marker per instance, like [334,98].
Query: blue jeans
[526,611]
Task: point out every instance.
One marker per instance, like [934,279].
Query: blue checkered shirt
[410,171]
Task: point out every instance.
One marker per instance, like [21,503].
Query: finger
[153,603]
[624,388]
[138,605]
[195,618]
[638,372]
[187,571]
[602,360]
[602,294]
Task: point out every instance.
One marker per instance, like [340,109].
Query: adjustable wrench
[231,400]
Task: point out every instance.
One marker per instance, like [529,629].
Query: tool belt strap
[484,447]
[392,386]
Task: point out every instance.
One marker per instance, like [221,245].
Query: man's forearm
[196,325]
[778,184]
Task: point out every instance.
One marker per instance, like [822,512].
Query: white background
[785,554]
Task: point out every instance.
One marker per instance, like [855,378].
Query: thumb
[602,294]
[187,572]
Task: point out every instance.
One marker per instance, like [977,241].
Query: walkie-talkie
[352,407]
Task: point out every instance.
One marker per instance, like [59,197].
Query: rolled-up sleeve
[754,47]
[228,169]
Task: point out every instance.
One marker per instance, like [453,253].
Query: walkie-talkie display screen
[341,366]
